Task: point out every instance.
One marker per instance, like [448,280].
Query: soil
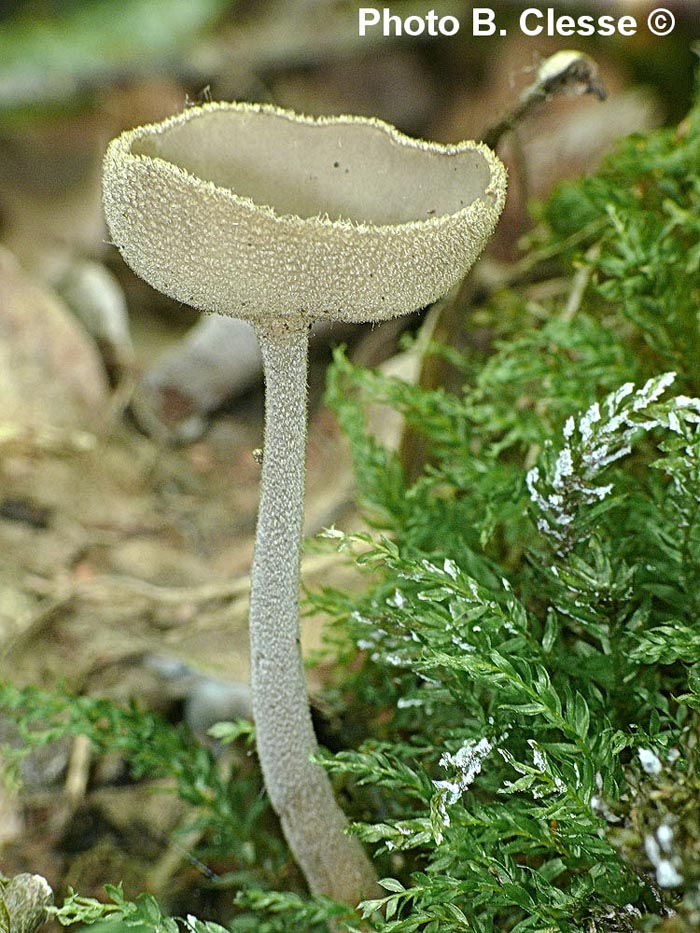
[115,548]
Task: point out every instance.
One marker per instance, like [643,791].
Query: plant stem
[300,791]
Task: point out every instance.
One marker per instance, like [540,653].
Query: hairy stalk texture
[334,863]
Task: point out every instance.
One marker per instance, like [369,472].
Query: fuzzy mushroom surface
[280,219]
[258,213]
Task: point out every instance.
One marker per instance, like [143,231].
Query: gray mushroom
[279,219]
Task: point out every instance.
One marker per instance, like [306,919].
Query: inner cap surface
[351,171]
[276,218]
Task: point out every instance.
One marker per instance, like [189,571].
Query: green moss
[524,662]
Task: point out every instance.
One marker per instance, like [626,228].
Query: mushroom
[279,219]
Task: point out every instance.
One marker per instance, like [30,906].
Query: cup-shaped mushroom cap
[260,213]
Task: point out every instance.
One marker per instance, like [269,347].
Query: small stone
[26,898]
[50,370]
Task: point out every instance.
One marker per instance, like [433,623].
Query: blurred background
[128,485]
[75,73]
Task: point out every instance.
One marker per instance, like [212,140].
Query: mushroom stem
[334,863]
